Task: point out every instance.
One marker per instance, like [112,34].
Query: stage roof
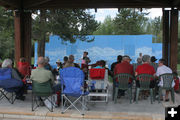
[54,4]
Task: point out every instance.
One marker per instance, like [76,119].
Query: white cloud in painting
[97,53]
[143,50]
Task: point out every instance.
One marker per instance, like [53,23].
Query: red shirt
[124,67]
[145,69]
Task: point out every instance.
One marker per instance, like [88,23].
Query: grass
[178,66]
[178,69]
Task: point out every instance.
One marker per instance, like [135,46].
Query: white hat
[58,61]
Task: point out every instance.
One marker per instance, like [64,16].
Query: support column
[166,41]
[22,24]
[174,40]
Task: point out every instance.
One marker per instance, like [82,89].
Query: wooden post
[166,41]
[174,40]
[22,24]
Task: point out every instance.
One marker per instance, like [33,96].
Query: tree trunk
[42,39]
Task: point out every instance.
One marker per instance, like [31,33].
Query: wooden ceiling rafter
[31,3]
[10,3]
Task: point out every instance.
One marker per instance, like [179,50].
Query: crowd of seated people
[145,65]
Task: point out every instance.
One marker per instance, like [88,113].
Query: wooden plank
[165,48]
[33,3]
[46,4]
[174,40]
[10,3]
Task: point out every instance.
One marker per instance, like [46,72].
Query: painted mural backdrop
[104,47]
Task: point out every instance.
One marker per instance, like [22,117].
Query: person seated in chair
[162,69]
[41,75]
[146,68]
[124,67]
[70,62]
[15,83]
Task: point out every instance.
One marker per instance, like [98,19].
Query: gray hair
[146,58]
[41,61]
[6,63]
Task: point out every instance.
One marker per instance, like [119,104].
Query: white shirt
[162,70]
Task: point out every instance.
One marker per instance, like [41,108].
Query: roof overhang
[54,4]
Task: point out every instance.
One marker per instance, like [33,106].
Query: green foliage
[106,28]
[69,24]
[6,34]
[154,27]
[130,22]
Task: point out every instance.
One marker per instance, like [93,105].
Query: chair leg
[83,105]
[115,95]
[160,94]
[151,92]
[130,94]
[62,105]
[113,90]
[154,94]
[32,102]
[137,95]
[172,95]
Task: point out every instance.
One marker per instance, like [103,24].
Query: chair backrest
[100,83]
[144,80]
[72,81]
[6,80]
[5,73]
[167,80]
[97,73]
[123,80]
[42,89]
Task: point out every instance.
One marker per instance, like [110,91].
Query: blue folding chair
[8,85]
[72,84]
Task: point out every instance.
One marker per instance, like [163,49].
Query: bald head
[41,62]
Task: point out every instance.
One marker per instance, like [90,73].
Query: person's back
[145,69]
[70,62]
[124,67]
[41,75]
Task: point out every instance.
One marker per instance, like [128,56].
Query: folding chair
[8,94]
[44,92]
[8,85]
[72,84]
[167,85]
[123,84]
[98,81]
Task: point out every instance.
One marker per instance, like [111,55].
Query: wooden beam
[174,40]
[34,3]
[10,3]
[165,45]
[176,3]
[22,23]
[98,4]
